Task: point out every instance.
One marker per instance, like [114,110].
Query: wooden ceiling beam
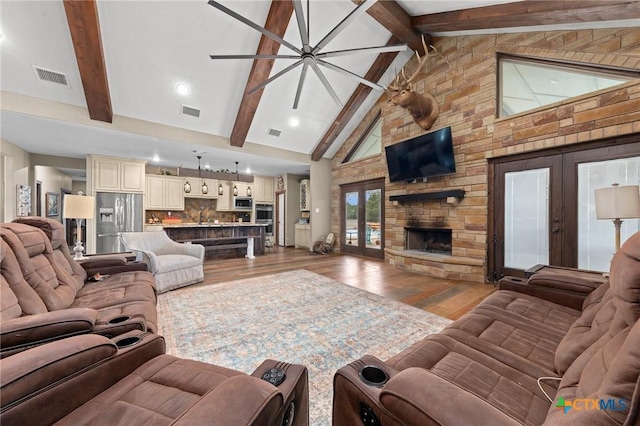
[84,25]
[526,13]
[277,22]
[398,22]
[375,73]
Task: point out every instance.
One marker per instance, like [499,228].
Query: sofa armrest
[417,396]
[189,249]
[295,388]
[148,257]
[22,333]
[240,400]
[116,269]
[30,371]
[563,289]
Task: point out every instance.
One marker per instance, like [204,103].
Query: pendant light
[187,187]
[205,188]
[235,188]
[220,189]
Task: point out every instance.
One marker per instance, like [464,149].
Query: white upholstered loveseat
[173,264]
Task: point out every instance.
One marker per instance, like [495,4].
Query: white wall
[320,199]
[16,172]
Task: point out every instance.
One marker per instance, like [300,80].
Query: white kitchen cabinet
[196,187]
[117,175]
[164,193]
[305,195]
[263,190]
[243,188]
[224,200]
[303,236]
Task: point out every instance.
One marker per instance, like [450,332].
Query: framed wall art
[23,200]
[53,203]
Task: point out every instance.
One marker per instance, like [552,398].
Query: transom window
[369,144]
[526,83]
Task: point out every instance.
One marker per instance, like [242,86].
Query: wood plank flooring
[448,298]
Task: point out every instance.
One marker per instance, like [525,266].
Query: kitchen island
[221,240]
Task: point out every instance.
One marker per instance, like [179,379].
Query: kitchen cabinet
[303,236]
[117,175]
[263,190]
[224,200]
[243,188]
[164,193]
[305,195]
[196,187]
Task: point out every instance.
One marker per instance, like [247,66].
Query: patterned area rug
[299,317]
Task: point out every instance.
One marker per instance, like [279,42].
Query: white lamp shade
[79,207]
[618,202]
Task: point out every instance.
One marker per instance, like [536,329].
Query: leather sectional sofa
[520,357]
[80,352]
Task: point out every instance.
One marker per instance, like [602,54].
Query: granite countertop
[211,225]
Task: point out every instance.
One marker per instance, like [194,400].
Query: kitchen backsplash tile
[191,212]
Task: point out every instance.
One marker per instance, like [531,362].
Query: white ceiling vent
[44,74]
[193,112]
[274,132]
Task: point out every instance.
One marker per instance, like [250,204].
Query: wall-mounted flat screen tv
[424,156]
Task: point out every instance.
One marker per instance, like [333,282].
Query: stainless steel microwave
[242,203]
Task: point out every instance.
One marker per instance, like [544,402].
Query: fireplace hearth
[428,240]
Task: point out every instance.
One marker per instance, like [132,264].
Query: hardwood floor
[448,298]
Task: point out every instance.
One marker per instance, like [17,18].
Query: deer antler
[398,84]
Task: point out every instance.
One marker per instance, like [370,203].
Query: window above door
[527,83]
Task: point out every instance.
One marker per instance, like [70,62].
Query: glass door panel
[373,207]
[526,213]
[596,237]
[351,219]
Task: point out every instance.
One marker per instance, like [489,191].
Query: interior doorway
[361,214]
[543,207]
[280,218]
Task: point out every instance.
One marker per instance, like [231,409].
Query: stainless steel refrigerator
[116,213]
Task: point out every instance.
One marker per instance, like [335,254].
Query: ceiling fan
[310,56]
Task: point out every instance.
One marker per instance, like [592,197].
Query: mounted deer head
[423,107]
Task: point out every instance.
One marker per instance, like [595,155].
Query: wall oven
[264,215]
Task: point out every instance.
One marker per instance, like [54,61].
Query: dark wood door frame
[571,155]
[361,187]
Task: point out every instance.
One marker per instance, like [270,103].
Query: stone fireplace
[428,240]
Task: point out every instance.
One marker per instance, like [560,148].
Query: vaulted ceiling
[123,60]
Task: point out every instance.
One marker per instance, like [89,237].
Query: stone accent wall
[463,79]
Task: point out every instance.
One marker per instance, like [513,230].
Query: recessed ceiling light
[294,122]
[156,158]
[182,89]
[248,170]
[207,166]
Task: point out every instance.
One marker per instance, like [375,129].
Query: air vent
[274,132]
[51,76]
[193,112]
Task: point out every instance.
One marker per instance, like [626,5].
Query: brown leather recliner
[514,359]
[90,379]
[45,294]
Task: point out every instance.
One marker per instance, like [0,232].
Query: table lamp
[618,202]
[79,207]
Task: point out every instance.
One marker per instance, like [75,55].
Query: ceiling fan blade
[270,79]
[326,84]
[355,13]
[349,74]
[303,74]
[254,56]
[304,35]
[253,25]
[363,50]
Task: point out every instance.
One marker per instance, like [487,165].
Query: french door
[361,218]
[543,208]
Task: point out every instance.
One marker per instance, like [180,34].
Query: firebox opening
[428,240]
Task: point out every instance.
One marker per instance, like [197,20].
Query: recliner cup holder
[118,320]
[373,376]
[127,341]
